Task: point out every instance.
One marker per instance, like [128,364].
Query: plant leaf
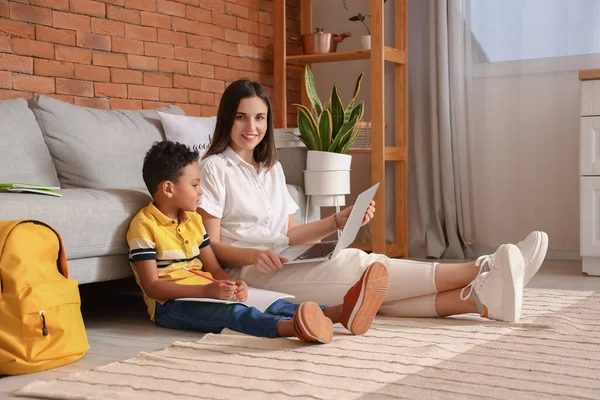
[357,87]
[311,90]
[325,129]
[348,111]
[351,141]
[354,18]
[358,111]
[337,112]
[308,128]
[343,136]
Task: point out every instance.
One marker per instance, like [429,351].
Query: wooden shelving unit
[380,153]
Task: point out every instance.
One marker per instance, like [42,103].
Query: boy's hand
[241,293]
[220,291]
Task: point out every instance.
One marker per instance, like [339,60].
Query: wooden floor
[118,327]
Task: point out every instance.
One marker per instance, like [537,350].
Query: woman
[249,217]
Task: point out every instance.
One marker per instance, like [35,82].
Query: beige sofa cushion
[98,148]
[25,157]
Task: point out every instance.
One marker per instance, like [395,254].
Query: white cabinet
[589,173]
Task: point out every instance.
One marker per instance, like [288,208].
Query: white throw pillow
[196,132]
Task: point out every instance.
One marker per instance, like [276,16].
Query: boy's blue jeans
[214,317]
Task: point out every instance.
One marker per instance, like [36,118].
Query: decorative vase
[327,178]
[366,42]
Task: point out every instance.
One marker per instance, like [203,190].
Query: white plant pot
[327,178]
[326,182]
[326,161]
[327,201]
[365,41]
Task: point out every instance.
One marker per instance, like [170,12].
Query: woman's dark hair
[265,152]
[165,161]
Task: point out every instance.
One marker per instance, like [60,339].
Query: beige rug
[553,352]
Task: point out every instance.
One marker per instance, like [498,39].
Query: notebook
[259,298]
[326,250]
[27,188]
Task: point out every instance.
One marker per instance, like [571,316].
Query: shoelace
[480,262]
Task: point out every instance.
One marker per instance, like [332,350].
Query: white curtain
[494,121]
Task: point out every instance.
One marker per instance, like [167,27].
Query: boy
[167,236]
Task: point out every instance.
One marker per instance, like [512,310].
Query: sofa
[95,156]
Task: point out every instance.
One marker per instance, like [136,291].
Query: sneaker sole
[372,293]
[512,298]
[538,257]
[314,324]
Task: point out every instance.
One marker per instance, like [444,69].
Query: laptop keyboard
[318,250]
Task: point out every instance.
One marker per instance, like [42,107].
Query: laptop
[323,251]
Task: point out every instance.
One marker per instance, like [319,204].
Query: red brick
[53,68]
[109,59]
[197,97]
[158,79]
[234,36]
[215,59]
[60,36]
[156,20]
[143,92]
[159,50]
[140,32]
[5,46]
[226,21]
[213,5]
[265,18]
[227,74]
[176,38]
[151,105]
[99,103]
[126,76]
[185,25]
[16,28]
[186,82]
[145,5]
[13,94]
[237,10]
[188,54]
[225,47]
[198,14]
[11,62]
[266,31]
[37,84]
[143,63]
[190,109]
[199,42]
[213,31]
[208,110]
[167,65]
[172,95]
[125,104]
[93,41]
[250,52]
[193,3]
[121,14]
[74,87]
[110,90]
[108,27]
[203,70]
[88,7]
[171,8]
[80,23]
[4,9]
[62,5]
[129,46]
[26,47]
[211,85]
[36,15]
[92,73]
[120,3]
[248,26]
[6,80]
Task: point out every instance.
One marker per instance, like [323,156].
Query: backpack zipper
[44,329]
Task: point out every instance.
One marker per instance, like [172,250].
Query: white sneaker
[498,289]
[533,248]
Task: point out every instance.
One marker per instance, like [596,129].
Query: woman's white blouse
[254,208]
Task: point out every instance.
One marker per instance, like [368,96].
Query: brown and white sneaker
[311,325]
[362,301]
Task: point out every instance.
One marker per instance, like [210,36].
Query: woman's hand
[241,292]
[268,261]
[221,291]
[342,216]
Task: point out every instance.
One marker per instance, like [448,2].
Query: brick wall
[137,54]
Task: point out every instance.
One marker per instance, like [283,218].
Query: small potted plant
[360,17]
[328,131]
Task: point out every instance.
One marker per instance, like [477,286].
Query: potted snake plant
[328,131]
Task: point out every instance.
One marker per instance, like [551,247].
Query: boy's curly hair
[165,161]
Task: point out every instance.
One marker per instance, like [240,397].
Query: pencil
[205,276]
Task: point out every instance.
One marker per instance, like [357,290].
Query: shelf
[390,54]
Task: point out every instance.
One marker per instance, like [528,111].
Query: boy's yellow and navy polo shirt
[173,244]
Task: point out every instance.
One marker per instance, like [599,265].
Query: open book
[24,187]
[259,298]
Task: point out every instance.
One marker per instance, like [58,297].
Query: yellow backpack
[41,326]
